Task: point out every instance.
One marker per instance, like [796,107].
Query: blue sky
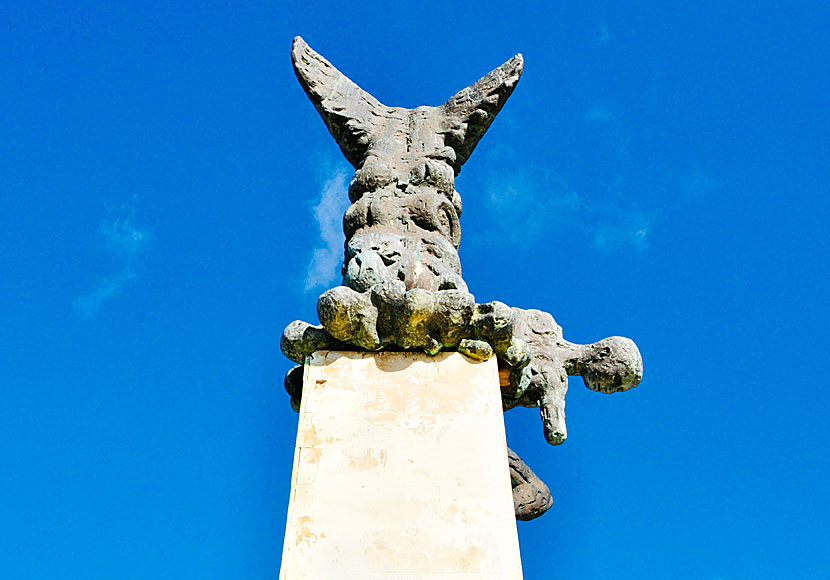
[171,201]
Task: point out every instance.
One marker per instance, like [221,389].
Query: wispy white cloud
[88,305]
[611,127]
[599,114]
[124,238]
[324,266]
[627,229]
[696,185]
[519,194]
[127,242]
[604,36]
[617,207]
[527,202]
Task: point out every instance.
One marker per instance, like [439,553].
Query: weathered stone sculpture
[402,285]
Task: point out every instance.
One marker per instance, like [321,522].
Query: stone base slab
[400,471]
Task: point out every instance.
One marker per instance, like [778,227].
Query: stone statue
[402,285]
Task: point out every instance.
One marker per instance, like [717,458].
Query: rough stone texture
[531,497]
[610,365]
[400,471]
[402,284]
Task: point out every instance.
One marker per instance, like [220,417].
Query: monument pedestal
[400,471]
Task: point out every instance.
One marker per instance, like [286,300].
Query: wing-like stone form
[470,112]
[349,112]
[360,123]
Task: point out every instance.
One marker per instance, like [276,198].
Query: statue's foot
[300,339]
[531,497]
[294,386]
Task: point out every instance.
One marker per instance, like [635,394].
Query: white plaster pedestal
[400,471]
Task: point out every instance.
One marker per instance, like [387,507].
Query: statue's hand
[611,365]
